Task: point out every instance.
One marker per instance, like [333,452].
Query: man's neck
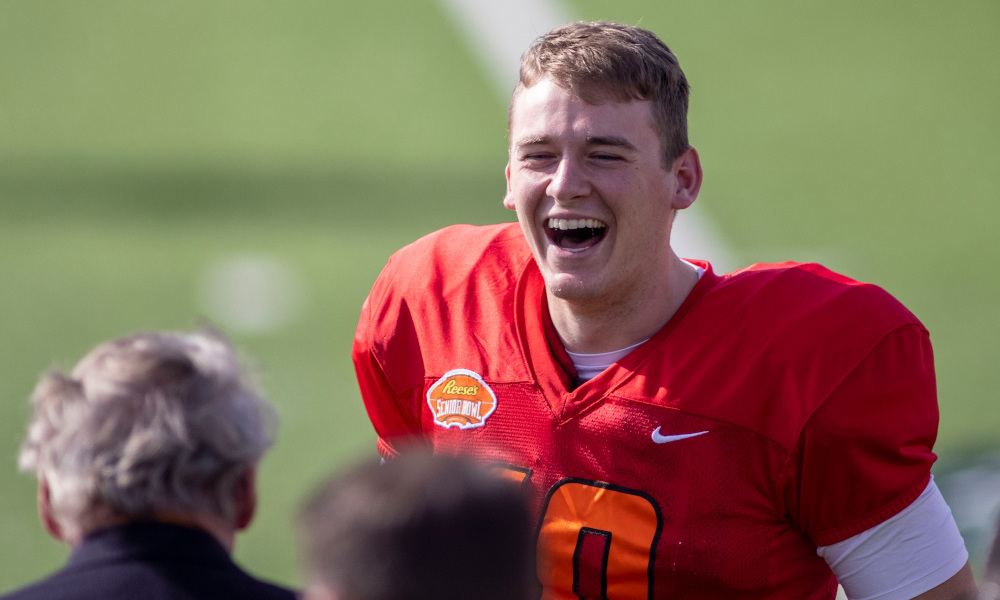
[595,326]
[218,527]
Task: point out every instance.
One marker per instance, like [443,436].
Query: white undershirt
[589,365]
[906,555]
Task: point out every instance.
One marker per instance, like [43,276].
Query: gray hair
[145,423]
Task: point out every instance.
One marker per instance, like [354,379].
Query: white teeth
[565,224]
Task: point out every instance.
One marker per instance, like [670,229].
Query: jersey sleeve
[913,552]
[394,413]
[866,452]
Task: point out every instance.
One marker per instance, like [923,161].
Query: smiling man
[683,434]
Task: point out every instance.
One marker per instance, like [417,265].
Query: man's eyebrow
[592,140]
[531,141]
[604,140]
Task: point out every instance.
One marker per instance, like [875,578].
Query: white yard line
[498,32]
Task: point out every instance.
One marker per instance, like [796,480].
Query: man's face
[591,193]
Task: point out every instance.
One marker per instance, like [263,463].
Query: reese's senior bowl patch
[461,399]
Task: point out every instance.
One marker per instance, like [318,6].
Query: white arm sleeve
[902,557]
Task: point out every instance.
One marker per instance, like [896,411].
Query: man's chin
[570,287]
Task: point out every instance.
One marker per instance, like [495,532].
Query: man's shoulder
[122,581]
[53,587]
[810,277]
[464,245]
[164,560]
[809,291]
[788,334]
[466,253]
[439,298]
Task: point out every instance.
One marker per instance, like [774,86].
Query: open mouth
[575,235]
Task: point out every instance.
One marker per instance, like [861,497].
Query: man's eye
[607,157]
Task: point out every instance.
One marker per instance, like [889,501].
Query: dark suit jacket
[153,561]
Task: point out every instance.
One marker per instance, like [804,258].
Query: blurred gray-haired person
[418,527]
[146,456]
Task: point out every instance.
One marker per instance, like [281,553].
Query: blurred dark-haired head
[419,526]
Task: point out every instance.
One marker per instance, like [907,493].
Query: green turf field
[141,143]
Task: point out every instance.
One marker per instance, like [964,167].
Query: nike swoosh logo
[663,439]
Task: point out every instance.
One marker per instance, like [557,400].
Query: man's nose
[569,181]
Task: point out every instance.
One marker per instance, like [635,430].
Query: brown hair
[419,526]
[601,61]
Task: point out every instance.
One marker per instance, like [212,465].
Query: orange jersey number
[595,540]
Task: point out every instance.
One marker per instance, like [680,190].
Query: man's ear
[508,199]
[246,498]
[687,175]
[45,513]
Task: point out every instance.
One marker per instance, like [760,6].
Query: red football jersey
[782,407]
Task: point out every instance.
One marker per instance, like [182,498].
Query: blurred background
[253,164]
